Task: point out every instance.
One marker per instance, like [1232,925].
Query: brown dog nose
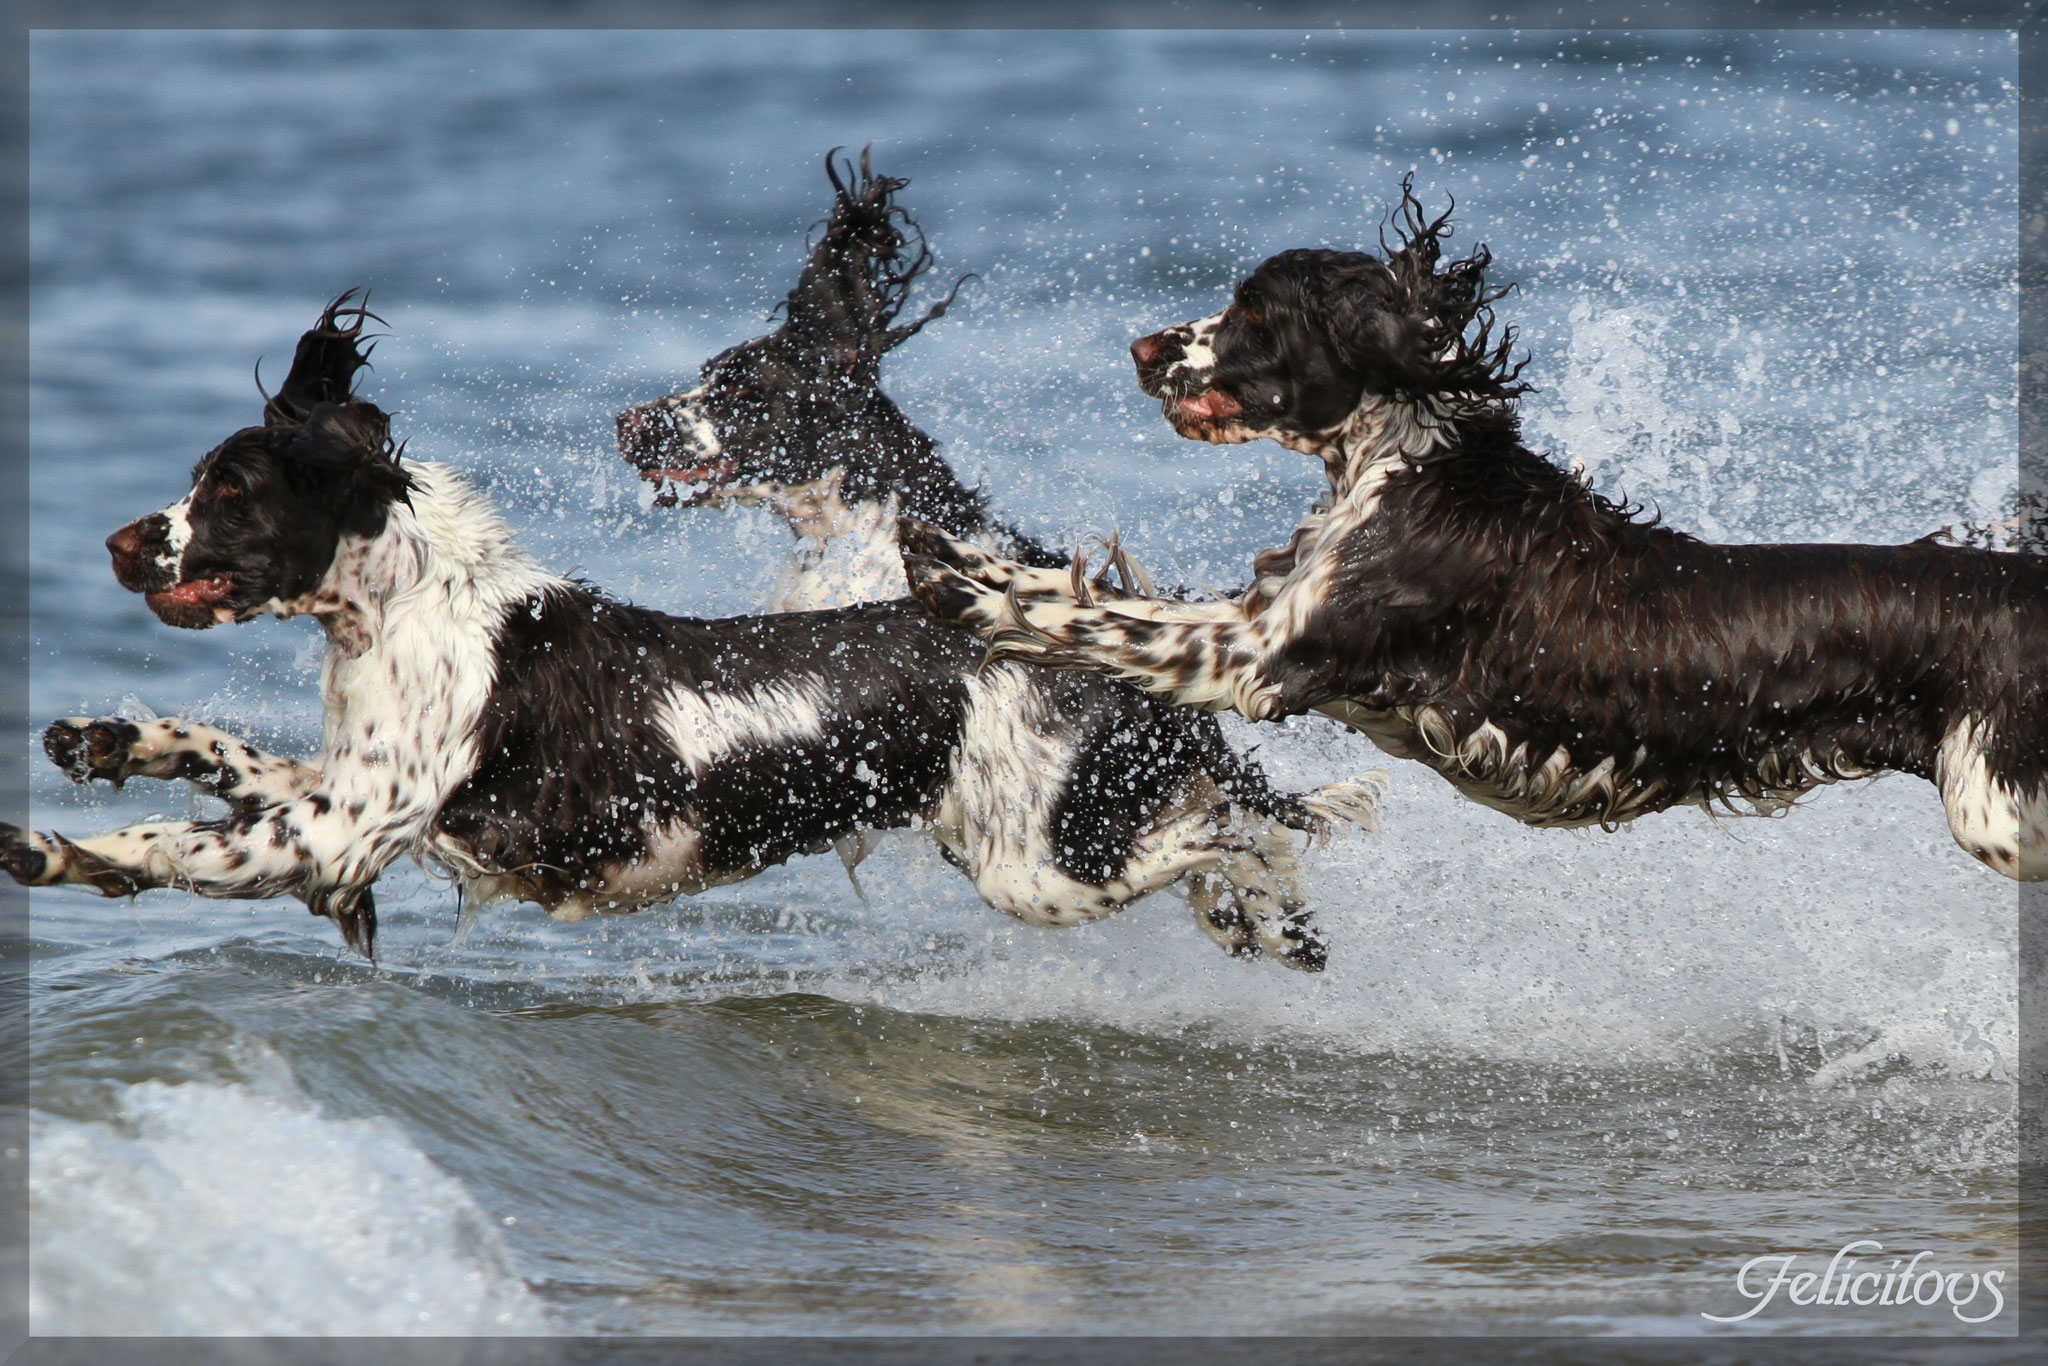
[126,543]
[1145,350]
[629,424]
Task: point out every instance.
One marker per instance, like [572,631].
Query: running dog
[1470,605]
[545,742]
[796,421]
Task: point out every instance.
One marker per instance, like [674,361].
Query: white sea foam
[230,1209]
[1850,928]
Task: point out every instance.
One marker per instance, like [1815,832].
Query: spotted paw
[1221,918]
[84,748]
[951,596]
[922,538]
[354,909]
[22,856]
[1296,942]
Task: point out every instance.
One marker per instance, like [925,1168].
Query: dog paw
[87,748]
[354,909]
[1352,804]
[1221,917]
[951,596]
[1296,942]
[922,538]
[23,857]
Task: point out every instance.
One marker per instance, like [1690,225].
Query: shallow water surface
[1551,1083]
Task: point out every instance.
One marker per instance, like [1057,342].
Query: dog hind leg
[1262,892]
[1998,819]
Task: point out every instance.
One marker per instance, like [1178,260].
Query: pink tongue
[199,592]
[1211,403]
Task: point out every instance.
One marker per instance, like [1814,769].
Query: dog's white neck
[848,552]
[446,552]
[412,616]
[1359,455]
[1380,435]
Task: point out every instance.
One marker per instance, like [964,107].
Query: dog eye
[227,491]
[1250,316]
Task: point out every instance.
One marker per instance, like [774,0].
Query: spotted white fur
[221,764]
[1198,348]
[998,817]
[701,433]
[411,616]
[177,533]
[2000,824]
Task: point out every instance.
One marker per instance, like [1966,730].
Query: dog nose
[126,543]
[629,428]
[1145,350]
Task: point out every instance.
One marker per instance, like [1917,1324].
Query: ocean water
[1551,1083]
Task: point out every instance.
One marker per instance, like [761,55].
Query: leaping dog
[545,742]
[796,421]
[1470,605]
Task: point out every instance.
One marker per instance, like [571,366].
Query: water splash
[317,1226]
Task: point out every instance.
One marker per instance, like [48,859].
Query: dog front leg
[115,749]
[1074,586]
[1218,666]
[312,848]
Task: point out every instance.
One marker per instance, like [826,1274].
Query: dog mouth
[1210,405]
[687,485]
[1207,415]
[194,604]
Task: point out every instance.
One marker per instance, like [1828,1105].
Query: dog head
[268,506]
[787,407]
[1312,334]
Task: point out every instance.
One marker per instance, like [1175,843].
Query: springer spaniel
[1470,605]
[545,742]
[796,421]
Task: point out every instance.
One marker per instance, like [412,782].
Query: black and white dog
[1468,604]
[547,743]
[796,421]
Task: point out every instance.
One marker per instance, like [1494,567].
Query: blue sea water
[1551,1083]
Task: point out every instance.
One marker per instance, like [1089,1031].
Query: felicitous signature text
[1972,1296]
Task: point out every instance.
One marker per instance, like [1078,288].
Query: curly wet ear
[325,364]
[340,434]
[1374,326]
[1419,323]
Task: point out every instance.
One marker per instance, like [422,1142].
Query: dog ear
[860,272]
[349,445]
[324,366]
[1455,345]
[1379,331]
[335,435]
